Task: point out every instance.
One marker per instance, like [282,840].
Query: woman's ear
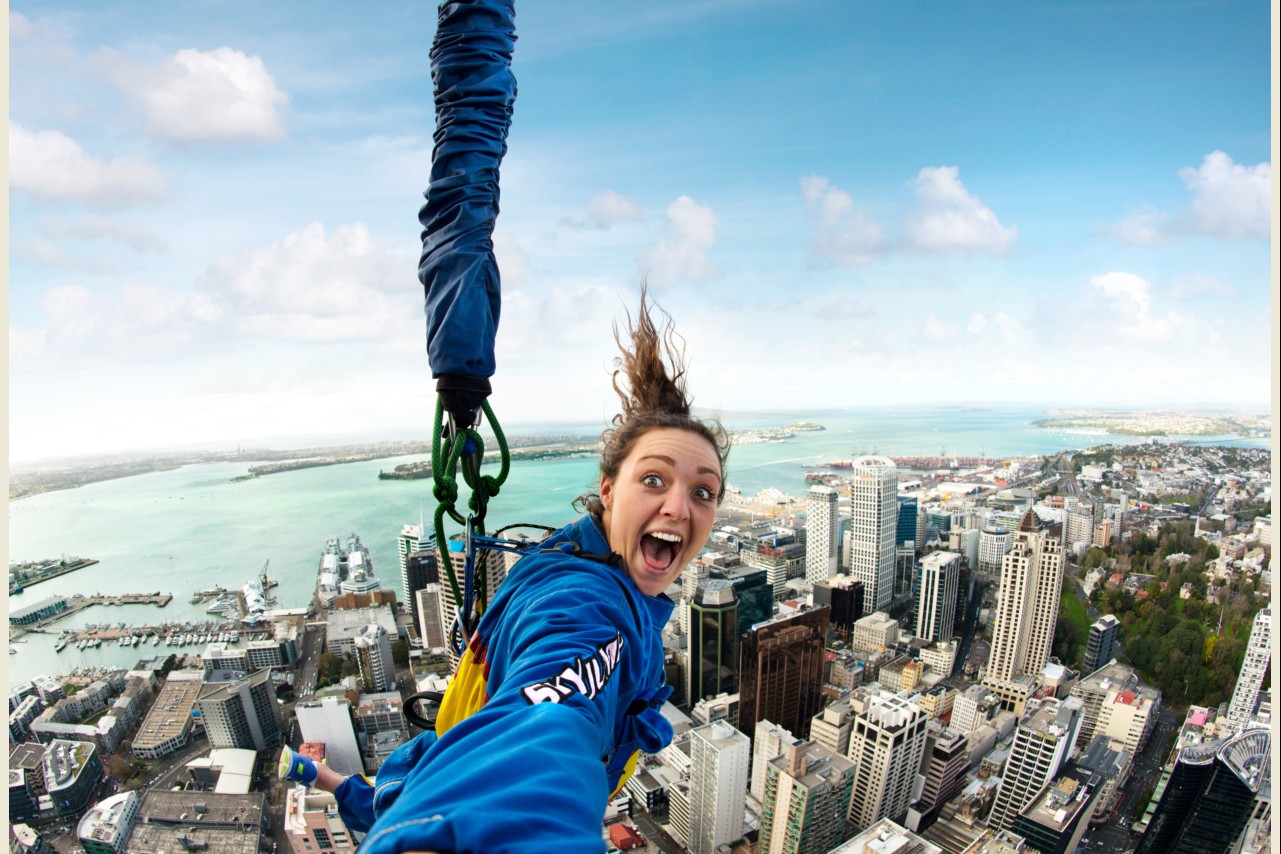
[606,492]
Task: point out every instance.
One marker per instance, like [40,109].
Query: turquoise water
[185,530]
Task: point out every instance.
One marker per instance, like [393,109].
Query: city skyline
[214,237]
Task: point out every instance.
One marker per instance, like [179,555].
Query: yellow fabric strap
[464,696]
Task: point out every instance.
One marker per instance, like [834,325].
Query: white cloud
[222,95]
[1145,228]
[843,308]
[1229,200]
[682,255]
[976,324]
[604,210]
[316,285]
[936,329]
[950,218]
[842,235]
[50,165]
[1128,302]
[102,228]
[513,260]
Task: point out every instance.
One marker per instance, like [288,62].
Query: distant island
[1156,423]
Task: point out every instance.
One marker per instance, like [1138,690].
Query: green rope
[444,469]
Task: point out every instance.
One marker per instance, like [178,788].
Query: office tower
[1043,741]
[807,791]
[1128,716]
[831,727]
[1101,643]
[944,761]
[490,568]
[311,823]
[427,609]
[1103,534]
[1056,818]
[327,721]
[778,553]
[886,745]
[972,708]
[780,674]
[1078,528]
[373,656]
[718,782]
[105,828]
[887,837]
[874,633]
[713,641]
[821,539]
[768,742]
[1118,512]
[994,542]
[905,528]
[1027,608]
[242,714]
[904,569]
[421,571]
[1093,691]
[873,527]
[412,540]
[1210,794]
[844,596]
[966,542]
[936,602]
[72,772]
[1258,655]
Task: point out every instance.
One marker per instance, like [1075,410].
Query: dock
[78,603]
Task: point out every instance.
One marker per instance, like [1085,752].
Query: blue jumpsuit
[567,669]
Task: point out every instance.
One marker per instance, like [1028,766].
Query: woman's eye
[704,494]
[652,480]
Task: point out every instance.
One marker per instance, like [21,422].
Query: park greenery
[1189,649]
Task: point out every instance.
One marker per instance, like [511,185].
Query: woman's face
[660,507]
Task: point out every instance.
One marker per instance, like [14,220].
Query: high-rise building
[413,539]
[1101,643]
[72,772]
[807,791]
[1095,692]
[1210,794]
[1056,818]
[781,671]
[312,823]
[844,596]
[718,782]
[1027,608]
[1128,716]
[328,721]
[1043,741]
[422,570]
[873,528]
[768,742]
[713,641]
[1258,655]
[821,540]
[886,745]
[490,567]
[832,726]
[105,827]
[944,762]
[242,714]
[373,656]
[936,600]
[905,529]
[994,542]
[1078,528]
[1103,534]
[972,708]
[888,836]
[875,632]
[427,609]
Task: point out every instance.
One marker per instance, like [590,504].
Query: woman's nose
[676,504]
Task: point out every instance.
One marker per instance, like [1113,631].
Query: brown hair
[649,377]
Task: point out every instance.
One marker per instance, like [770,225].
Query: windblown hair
[649,377]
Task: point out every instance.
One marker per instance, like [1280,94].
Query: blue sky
[214,236]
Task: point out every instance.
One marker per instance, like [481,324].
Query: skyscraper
[242,714]
[781,671]
[1210,794]
[327,721]
[494,570]
[713,641]
[412,539]
[807,791]
[944,762]
[844,596]
[768,742]
[427,607]
[718,783]
[821,540]
[905,529]
[936,603]
[1258,655]
[422,569]
[873,528]
[994,542]
[373,656]
[1042,744]
[886,745]
[1101,643]
[1027,608]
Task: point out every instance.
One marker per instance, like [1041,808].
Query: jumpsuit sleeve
[528,770]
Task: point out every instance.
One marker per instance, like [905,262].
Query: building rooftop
[1061,802]
[63,762]
[106,820]
[171,712]
[886,837]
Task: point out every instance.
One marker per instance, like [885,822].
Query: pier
[78,603]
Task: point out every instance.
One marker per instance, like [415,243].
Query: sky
[214,237]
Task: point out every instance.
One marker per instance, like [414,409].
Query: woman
[561,685]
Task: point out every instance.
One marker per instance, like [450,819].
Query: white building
[718,784]
[1027,608]
[412,538]
[994,542]
[1128,717]
[769,742]
[807,792]
[822,542]
[1258,655]
[874,633]
[108,823]
[430,630]
[936,606]
[328,721]
[373,655]
[1042,744]
[886,745]
[873,526]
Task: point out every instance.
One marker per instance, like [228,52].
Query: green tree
[400,653]
[1067,641]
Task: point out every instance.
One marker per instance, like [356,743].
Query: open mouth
[659,549]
